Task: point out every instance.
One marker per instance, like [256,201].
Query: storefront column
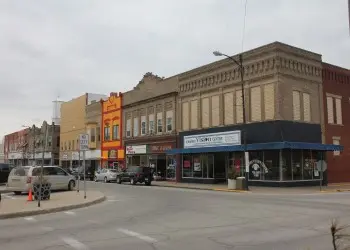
[281,165]
[178,167]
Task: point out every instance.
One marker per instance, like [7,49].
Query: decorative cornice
[273,64]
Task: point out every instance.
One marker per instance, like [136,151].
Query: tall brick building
[336,93]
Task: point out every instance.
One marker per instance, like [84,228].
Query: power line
[244,21]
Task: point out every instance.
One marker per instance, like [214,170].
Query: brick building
[15,145]
[149,112]
[336,94]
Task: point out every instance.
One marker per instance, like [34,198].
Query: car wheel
[148,183]
[95,178]
[105,180]
[71,185]
[132,181]
[119,181]
[17,193]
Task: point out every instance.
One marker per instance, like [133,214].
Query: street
[139,217]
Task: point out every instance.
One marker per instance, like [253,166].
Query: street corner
[63,201]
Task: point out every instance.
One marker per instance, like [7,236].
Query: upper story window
[116,132]
[307,107]
[143,125]
[169,121]
[128,128]
[334,110]
[106,133]
[69,145]
[92,135]
[98,134]
[136,126]
[336,141]
[159,123]
[151,124]
[296,105]
[73,144]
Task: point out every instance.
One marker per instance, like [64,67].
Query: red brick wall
[336,81]
[14,138]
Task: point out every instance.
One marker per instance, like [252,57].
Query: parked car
[5,170]
[136,174]
[20,178]
[78,172]
[106,175]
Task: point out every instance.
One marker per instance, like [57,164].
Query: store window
[198,166]
[171,167]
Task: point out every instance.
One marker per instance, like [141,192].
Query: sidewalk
[340,187]
[60,201]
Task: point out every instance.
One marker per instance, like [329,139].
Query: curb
[51,210]
[335,191]
[205,189]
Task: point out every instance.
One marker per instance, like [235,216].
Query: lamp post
[239,63]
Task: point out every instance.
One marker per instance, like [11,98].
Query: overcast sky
[68,47]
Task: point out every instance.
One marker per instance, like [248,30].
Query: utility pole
[246,153]
[34,132]
[42,162]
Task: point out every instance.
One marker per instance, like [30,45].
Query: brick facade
[336,85]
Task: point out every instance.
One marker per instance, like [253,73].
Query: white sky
[66,48]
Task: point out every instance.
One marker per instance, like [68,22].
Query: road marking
[74,243]
[70,212]
[137,235]
[30,218]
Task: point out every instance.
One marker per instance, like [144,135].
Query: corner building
[284,115]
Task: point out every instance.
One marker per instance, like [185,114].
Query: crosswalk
[8,196]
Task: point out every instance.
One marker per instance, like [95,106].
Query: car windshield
[113,170]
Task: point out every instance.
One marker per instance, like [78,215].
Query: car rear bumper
[24,189]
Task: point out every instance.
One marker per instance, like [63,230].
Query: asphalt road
[149,218]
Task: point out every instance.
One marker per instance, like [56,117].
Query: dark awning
[259,146]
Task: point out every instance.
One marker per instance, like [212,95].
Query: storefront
[153,155]
[207,155]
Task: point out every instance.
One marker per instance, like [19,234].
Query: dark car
[135,174]
[5,170]
[79,173]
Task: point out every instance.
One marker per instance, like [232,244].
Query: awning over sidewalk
[259,146]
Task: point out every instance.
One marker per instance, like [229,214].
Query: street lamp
[241,68]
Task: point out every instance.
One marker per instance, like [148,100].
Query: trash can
[240,183]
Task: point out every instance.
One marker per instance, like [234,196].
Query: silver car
[106,175]
[20,178]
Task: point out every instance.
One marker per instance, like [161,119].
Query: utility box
[240,183]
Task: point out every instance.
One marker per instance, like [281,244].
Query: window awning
[259,146]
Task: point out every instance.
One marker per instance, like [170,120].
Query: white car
[20,178]
[106,175]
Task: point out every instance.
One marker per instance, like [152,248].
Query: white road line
[137,235]
[74,243]
[70,212]
[30,218]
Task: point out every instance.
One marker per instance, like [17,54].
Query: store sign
[160,148]
[229,138]
[136,149]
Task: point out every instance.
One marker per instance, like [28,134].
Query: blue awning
[259,146]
